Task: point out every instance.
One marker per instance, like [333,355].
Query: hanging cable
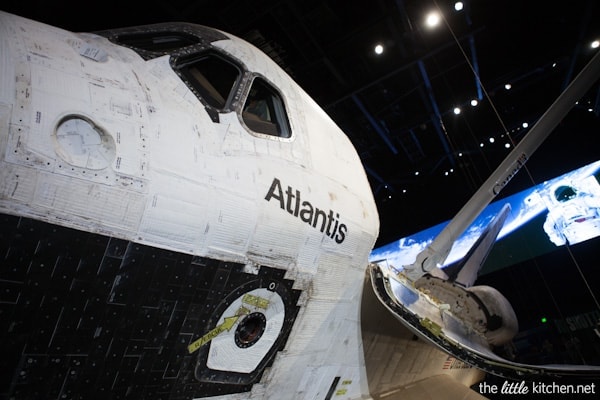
[477,77]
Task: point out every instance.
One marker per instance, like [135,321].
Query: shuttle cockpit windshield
[211,77]
[157,42]
[216,79]
[164,39]
[264,110]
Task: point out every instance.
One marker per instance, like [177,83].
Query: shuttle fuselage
[185,186]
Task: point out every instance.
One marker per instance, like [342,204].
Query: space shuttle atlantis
[179,220]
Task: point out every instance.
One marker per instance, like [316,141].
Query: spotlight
[432,20]
[378,49]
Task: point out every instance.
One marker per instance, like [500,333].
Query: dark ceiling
[397,108]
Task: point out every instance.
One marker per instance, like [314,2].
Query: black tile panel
[84,316]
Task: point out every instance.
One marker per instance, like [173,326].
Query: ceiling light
[507,86]
[378,49]
[474,102]
[480,144]
[456,110]
[507,145]
[525,125]
[460,154]
[416,173]
[492,140]
[458,6]
[595,44]
[433,19]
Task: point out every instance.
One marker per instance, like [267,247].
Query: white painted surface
[179,181]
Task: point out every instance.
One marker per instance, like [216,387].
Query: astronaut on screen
[573,211]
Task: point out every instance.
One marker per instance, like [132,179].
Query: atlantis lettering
[290,201]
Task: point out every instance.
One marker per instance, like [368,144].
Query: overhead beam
[474,61]
[374,124]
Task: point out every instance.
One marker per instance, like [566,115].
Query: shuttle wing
[468,267]
[465,320]
[439,249]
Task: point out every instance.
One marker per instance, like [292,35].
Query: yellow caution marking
[227,324]
[242,311]
[431,326]
[256,301]
[343,390]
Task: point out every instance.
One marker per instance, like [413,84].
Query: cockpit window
[211,77]
[264,110]
[160,42]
